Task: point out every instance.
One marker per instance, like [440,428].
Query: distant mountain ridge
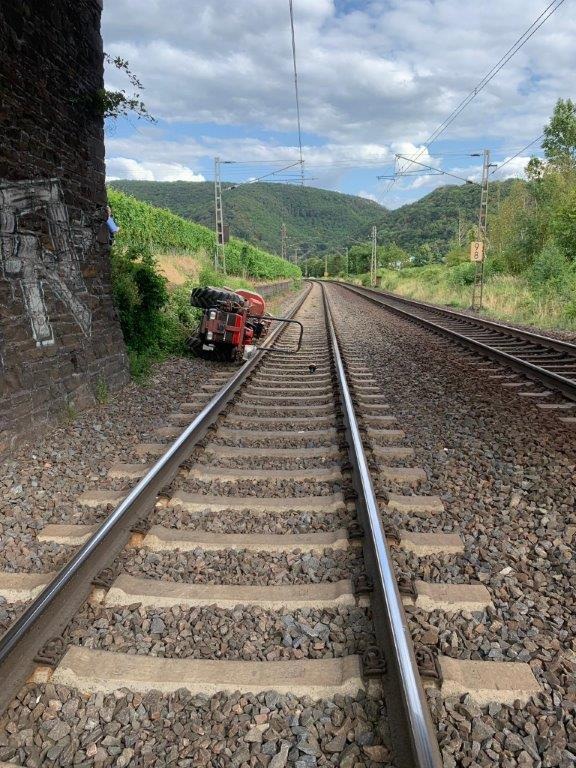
[317,220]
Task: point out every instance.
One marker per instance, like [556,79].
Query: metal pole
[346,261]
[326,264]
[478,289]
[373,258]
[219,254]
[291,7]
[283,239]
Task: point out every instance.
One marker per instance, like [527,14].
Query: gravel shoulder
[41,480]
[551,333]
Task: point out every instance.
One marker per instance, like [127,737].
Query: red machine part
[257,304]
[225,327]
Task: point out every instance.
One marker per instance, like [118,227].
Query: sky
[376,78]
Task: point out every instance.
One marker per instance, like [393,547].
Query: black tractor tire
[194,344]
[206,297]
[225,353]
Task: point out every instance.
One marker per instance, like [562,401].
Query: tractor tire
[207,297]
[194,344]
[225,353]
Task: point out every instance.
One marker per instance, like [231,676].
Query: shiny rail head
[425,752]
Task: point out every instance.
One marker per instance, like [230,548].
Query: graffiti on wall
[39,249]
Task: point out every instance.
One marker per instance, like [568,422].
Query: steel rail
[481,322]
[401,674]
[516,362]
[49,613]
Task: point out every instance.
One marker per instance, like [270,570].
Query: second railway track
[548,361]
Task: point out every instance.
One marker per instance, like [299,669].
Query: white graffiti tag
[44,255]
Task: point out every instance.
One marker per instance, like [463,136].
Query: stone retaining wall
[60,340]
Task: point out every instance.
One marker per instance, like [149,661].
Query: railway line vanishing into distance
[542,359]
[294,450]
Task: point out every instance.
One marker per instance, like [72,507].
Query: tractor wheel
[207,297]
[225,353]
[194,344]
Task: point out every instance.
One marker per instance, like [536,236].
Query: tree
[393,257]
[312,266]
[422,256]
[560,134]
[427,254]
[336,264]
[359,259]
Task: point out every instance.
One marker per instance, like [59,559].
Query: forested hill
[318,219]
[434,218]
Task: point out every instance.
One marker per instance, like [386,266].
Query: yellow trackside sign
[476,250]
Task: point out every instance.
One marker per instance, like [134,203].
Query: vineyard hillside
[143,226]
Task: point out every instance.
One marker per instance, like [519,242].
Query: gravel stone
[125,728]
[242,566]
[248,633]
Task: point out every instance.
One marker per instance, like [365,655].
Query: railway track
[549,362]
[251,557]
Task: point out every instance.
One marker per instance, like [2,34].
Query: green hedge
[143,225]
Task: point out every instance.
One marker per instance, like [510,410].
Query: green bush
[178,318]
[141,364]
[563,225]
[552,273]
[461,274]
[140,293]
[456,255]
[156,322]
[432,273]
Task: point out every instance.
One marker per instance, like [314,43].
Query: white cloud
[128,168]
[514,168]
[390,69]
[168,153]
[376,78]
[367,195]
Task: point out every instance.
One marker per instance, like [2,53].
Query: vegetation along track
[541,359]
[247,573]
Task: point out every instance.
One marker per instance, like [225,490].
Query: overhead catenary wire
[509,160]
[265,175]
[438,171]
[512,51]
[243,167]
[296,92]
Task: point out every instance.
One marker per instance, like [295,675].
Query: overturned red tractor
[231,324]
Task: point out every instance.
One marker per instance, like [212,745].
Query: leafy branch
[114,104]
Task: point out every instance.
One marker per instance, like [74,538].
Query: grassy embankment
[545,301]
[156,259]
